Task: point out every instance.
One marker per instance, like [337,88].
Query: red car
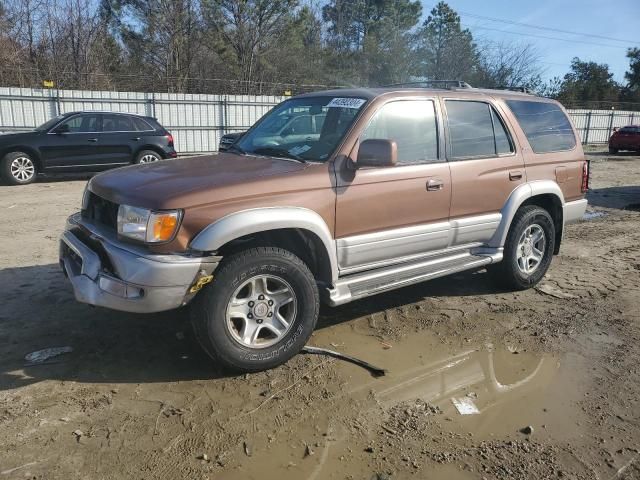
[625,138]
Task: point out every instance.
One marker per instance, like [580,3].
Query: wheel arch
[300,230]
[543,193]
[26,149]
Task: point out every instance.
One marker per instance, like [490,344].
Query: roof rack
[433,84]
[515,89]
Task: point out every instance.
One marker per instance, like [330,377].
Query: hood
[14,136]
[186,182]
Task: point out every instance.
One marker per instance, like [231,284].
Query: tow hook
[201,282]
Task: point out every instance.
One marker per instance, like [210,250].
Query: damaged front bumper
[107,272]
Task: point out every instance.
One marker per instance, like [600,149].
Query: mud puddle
[409,417]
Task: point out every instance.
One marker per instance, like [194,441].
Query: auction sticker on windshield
[346,102]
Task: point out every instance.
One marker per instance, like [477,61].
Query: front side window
[412,125]
[546,126]
[117,123]
[81,124]
[307,128]
[476,130]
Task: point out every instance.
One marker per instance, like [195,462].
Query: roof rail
[515,89]
[432,84]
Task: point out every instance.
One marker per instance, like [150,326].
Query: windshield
[49,123]
[307,128]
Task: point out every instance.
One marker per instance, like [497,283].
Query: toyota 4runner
[398,186]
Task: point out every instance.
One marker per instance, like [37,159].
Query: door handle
[92,140]
[136,139]
[515,175]
[434,184]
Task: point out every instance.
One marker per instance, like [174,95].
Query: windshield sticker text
[346,102]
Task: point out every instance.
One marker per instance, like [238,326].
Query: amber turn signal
[162,226]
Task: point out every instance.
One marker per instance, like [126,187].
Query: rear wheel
[18,168]
[258,312]
[528,249]
[147,156]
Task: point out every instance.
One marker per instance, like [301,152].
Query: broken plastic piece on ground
[465,406]
[41,356]
[375,371]
[592,215]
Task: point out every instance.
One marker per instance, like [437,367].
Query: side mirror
[615,129]
[64,128]
[377,153]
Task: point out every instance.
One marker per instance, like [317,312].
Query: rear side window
[476,130]
[412,125]
[546,126]
[117,123]
[141,125]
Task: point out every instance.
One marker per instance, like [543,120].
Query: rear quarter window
[546,126]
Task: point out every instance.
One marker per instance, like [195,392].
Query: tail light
[585,177]
[169,138]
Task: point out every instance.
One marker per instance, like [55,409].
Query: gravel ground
[552,372]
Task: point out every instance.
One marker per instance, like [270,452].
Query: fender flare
[255,220]
[521,194]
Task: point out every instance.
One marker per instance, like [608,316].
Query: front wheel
[613,150]
[18,168]
[258,312]
[528,249]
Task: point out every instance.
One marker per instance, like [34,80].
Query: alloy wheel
[149,158]
[22,169]
[261,311]
[531,249]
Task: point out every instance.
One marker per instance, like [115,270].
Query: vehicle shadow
[627,197]
[464,284]
[115,347]
[39,311]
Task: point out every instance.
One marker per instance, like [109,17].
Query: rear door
[485,168]
[389,214]
[120,138]
[74,143]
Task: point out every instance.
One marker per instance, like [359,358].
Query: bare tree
[507,64]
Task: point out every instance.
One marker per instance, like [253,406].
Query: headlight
[147,226]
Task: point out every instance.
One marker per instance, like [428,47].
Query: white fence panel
[197,121]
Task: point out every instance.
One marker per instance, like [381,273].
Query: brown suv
[385,188]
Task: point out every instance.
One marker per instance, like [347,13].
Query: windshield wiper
[278,152]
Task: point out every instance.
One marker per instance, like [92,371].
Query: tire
[18,168]
[613,150]
[223,327]
[511,272]
[147,156]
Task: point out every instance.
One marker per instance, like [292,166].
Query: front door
[485,168]
[390,214]
[74,143]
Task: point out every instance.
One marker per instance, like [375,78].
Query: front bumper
[107,272]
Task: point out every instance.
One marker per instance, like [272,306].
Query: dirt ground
[554,372]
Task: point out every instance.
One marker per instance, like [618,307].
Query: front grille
[102,211]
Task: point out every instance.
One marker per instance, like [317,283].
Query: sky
[598,18]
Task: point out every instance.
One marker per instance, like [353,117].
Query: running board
[364,284]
